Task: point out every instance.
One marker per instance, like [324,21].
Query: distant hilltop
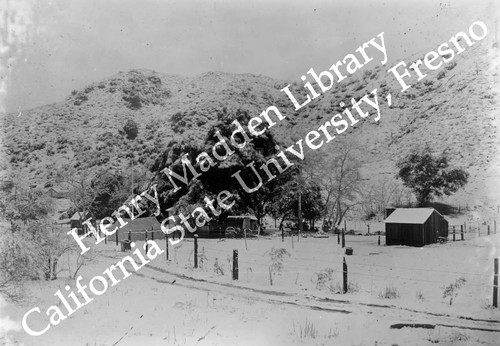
[453,111]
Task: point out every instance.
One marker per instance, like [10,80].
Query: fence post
[368,229]
[166,246]
[116,237]
[196,250]
[146,240]
[379,239]
[245,235]
[453,233]
[152,234]
[235,264]
[495,284]
[488,229]
[129,236]
[343,239]
[461,232]
[282,234]
[338,236]
[345,277]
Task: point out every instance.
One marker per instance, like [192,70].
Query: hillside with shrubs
[126,121]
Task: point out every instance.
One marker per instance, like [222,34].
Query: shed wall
[417,234]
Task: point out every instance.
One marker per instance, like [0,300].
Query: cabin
[76,222]
[56,192]
[415,227]
[137,228]
[242,221]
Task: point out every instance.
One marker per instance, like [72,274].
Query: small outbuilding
[415,227]
[57,192]
[76,221]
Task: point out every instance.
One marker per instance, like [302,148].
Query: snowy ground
[203,307]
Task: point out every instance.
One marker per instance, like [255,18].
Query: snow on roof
[251,217]
[141,224]
[76,216]
[410,215]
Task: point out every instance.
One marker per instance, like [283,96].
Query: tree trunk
[48,270]
[54,269]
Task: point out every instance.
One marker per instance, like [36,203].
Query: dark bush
[441,75]
[131,129]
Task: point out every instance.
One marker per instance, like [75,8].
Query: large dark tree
[219,177]
[428,175]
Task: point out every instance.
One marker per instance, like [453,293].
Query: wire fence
[254,262]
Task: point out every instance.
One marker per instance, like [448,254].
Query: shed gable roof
[410,215]
[77,216]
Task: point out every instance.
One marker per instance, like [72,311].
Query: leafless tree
[340,180]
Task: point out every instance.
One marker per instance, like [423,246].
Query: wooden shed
[76,222]
[415,227]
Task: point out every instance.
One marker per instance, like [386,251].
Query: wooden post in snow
[196,250]
[245,234]
[495,284]
[488,229]
[129,236]
[116,237]
[146,240]
[235,264]
[166,246]
[343,239]
[345,277]
[453,233]
[379,239]
[461,232]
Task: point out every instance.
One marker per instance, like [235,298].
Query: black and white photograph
[249,173]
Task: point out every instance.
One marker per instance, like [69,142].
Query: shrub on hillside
[131,129]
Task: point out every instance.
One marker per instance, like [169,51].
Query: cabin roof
[140,224]
[410,215]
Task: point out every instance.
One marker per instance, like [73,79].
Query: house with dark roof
[415,227]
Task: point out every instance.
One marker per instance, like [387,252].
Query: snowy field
[172,303]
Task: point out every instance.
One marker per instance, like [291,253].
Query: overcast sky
[77,42]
